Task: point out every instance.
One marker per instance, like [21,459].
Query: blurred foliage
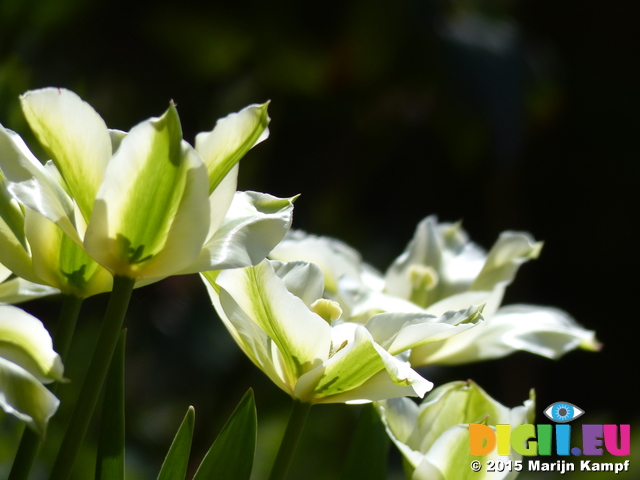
[509,114]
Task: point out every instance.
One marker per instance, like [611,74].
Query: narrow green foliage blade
[110,458]
[177,459]
[231,455]
[367,455]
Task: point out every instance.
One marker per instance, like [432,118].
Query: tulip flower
[33,247]
[27,360]
[277,316]
[442,270]
[143,204]
[434,437]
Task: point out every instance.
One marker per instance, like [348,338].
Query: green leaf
[177,459]
[231,455]
[110,459]
[367,455]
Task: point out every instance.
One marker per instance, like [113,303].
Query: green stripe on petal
[251,339]
[25,341]
[354,362]
[232,137]
[301,337]
[75,137]
[23,396]
[154,189]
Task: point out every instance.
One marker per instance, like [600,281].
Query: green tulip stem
[62,336]
[111,327]
[292,434]
[67,325]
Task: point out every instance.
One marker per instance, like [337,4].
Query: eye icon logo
[563,412]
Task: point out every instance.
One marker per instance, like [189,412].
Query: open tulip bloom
[442,270]
[143,204]
[433,437]
[276,314]
[27,360]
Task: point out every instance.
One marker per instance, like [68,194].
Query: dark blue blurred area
[507,114]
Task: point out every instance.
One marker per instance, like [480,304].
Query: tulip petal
[221,198]
[491,301]
[363,302]
[4,273]
[359,371]
[397,332]
[444,248]
[545,331]
[457,403]
[302,337]
[18,290]
[232,137]
[336,259]
[75,136]
[25,341]
[254,224]
[15,253]
[151,213]
[251,339]
[304,280]
[23,396]
[33,185]
[511,250]
[61,262]
[400,418]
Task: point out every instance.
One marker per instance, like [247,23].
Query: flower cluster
[111,210]
[142,204]
[442,270]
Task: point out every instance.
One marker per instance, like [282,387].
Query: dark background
[518,115]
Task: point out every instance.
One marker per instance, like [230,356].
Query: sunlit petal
[254,224]
[25,341]
[75,137]
[24,397]
[152,211]
[232,137]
